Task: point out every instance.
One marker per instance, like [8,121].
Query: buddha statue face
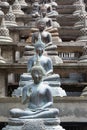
[41,25]
[36,75]
[39,50]
[43,10]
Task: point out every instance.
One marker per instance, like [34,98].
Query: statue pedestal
[34,124]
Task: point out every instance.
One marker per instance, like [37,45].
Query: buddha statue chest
[38,96]
[44,37]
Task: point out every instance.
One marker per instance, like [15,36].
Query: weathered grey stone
[34,124]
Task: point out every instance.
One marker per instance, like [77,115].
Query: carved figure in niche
[39,98]
[46,19]
[45,35]
[51,25]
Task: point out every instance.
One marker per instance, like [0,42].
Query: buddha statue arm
[33,38]
[49,24]
[50,67]
[29,65]
[50,71]
[49,99]
[47,105]
[49,28]
[25,95]
[49,37]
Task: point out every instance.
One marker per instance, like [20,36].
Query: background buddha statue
[45,35]
[51,23]
[44,60]
[48,16]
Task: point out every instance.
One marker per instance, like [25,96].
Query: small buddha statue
[44,60]
[38,96]
[51,24]
[46,19]
[53,14]
[45,25]
[45,35]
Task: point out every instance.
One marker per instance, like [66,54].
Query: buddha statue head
[37,72]
[43,10]
[39,46]
[41,24]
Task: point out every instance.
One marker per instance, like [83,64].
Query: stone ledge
[60,68]
[56,99]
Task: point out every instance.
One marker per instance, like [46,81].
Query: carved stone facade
[71,49]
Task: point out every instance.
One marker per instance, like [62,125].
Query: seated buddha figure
[45,35]
[44,60]
[38,96]
[52,25]
[48,21]
[49,15]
